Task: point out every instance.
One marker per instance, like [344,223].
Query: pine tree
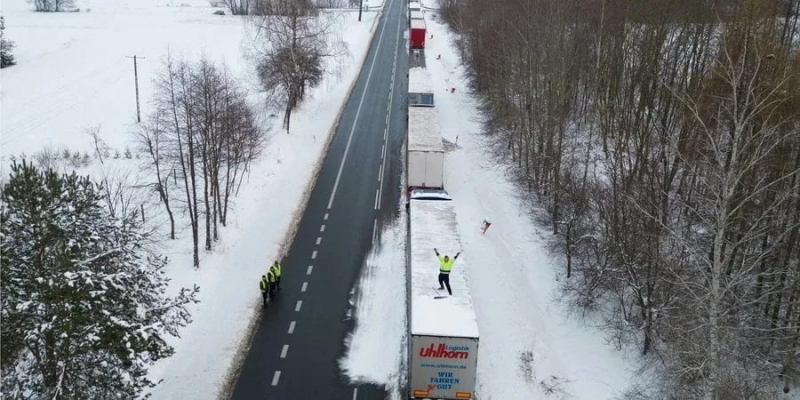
[6,47]
[83,308]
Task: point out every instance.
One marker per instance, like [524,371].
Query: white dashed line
[275,378]
[319,239]
[383,147]
[355,120]
[374,230]
[355,393]
[291,327]
[376,198]
[304,287]
[325,217]
[322,228]
[284,351]
[299,304]
[310,267]
[380,173]
[314,255]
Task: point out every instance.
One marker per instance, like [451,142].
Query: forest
[662,141]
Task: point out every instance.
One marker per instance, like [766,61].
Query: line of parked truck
[442,329]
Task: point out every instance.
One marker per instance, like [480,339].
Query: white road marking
[299,304]
[355,393]
[322,228]
[355,120]
[325,217]
[284,351]
[319,239]
[275,378]
[310,267]
[391,98]
[376,198]
[383,146]
[305,286]
[380,173]
[314,255]
[374,230]
[291,327]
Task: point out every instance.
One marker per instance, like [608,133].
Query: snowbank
[375,347]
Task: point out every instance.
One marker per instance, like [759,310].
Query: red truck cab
[417,34]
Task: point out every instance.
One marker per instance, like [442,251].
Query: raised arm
[456,256]
[436,251]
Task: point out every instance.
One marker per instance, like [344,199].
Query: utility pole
[360,7]
[136,79]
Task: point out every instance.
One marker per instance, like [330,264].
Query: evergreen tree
[84,311]
[6,47]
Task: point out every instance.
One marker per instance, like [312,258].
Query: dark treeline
[663,139]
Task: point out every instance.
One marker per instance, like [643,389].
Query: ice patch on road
[375,347]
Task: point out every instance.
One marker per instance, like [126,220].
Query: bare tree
[53,5]
[293,43]
[152,138]
[175,97]
[237,7]
[204,129]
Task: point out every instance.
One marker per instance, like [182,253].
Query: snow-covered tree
[84,310]
[6,47]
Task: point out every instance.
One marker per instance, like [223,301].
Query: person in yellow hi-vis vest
[264,286]
[445,267]
[276,269]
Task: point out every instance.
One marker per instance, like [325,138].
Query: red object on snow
[417,35]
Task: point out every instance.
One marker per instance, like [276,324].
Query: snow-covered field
[72,74]
[530,347]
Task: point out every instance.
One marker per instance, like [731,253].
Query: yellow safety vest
[276,269]
[271,276]
[446,266]
[264,285]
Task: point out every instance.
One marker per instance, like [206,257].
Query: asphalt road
[300,338]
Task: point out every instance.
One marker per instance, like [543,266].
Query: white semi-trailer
[420,88]
[425,150]
[443,329]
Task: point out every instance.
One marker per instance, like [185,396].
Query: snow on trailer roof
[417,14]
[433,224]
[417,24]
[419,80]
[424,131]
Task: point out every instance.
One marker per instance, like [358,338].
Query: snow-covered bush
[6,47]
[83,309]
[53,5]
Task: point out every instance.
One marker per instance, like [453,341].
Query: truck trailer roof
[419,80]
[424,131]
[417,24]
[433,224]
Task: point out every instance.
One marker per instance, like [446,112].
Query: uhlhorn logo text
[442,351]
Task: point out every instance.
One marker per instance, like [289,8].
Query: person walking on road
[272,279]
[445,266]
[264,286]
[276,269]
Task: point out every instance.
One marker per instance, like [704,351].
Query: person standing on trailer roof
[445,267]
